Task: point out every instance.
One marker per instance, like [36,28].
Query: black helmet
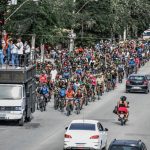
[123,98]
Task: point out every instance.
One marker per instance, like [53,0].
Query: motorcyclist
[122,106]
[43,77]
[70,96]
[44,90]
[66,74]
[79,96]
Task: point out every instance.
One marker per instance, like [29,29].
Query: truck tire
[28,119]
[21,121]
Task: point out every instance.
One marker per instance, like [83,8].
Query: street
[46,130]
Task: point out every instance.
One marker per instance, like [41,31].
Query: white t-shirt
[54,73]
[14,49]
[20,48]
[27,49]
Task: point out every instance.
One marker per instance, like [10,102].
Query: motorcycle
[61,103]
[122,115]
[120,77]
[42,103]
[77,104]
[122,118]
[69,107]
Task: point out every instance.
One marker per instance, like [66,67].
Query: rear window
[82,126]
[137,78]
[123,148]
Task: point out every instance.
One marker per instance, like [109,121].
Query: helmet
[123,98]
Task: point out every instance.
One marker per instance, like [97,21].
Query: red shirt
[43,78]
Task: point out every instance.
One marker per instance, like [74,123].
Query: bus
[146,34]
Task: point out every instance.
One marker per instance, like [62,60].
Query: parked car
[85,134]
[137,83]
[127,145]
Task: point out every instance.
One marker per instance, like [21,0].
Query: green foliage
[51,20]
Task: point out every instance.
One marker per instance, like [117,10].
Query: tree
[51,20]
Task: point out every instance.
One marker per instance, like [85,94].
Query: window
[139,78]
[10,92]
[118,147]
[100,127]
[82,126]
[146,34]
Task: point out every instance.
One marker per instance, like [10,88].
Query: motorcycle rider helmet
[123,98]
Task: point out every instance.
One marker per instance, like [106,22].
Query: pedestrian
[19,45]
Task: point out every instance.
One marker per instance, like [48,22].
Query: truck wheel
[21,121]
[28,119]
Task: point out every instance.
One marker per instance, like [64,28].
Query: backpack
[62,92]
[44,90]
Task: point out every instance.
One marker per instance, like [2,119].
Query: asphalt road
[46,130]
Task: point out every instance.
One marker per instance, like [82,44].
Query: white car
[85,134]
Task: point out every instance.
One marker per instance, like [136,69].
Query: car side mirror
[66,128]
[27,94]
[106,129]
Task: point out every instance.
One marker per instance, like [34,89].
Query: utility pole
[72,35]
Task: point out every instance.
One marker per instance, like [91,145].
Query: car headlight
[18,108]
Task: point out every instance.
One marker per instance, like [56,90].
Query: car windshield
[140,78]
[123,148]
[146,34]
[10,92]
[82,126]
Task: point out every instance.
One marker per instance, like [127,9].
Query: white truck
[17,94]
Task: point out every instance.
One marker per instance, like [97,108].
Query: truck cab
[17,94]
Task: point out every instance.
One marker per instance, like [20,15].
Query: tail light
[94,137]
[127,82]
[67,136]
[145,82]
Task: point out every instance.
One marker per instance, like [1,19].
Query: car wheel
[127,91]
[147,91]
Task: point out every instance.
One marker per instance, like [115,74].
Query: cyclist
[79,96]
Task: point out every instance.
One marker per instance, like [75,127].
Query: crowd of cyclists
[85,74]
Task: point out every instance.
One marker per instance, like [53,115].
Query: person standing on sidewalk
[19,45]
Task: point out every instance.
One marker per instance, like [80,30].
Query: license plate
[136,88]
[122,115]
[80,145]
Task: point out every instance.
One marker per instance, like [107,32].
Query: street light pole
[19,8]
[72,35]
